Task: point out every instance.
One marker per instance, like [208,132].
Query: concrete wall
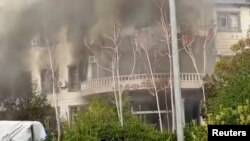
[225,40]
[67,99]
[62,58]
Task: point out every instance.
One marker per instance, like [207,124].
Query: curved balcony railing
[139,81]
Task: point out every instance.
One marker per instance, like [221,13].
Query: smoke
[24,19]
[194,12]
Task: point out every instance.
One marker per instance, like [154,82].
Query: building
[85,70]
[232,20]
[15,79]
[80,77]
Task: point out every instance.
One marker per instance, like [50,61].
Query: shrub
[195,132]
[100,122]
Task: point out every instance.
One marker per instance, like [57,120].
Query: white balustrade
[108,81]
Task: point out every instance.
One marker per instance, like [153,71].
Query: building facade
[232,19]
[88,68]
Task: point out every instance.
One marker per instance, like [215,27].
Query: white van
[22,131]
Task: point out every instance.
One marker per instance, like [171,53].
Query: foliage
[212,85]
[195,132]
[31,108]
[27,108]
[230,86]
[100,122]
[229,115]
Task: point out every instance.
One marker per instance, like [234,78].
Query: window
[46,81]
[74,78]
[74,110]
[228,21]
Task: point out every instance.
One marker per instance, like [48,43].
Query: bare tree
[53,71]
[166,34]
[188,39]
[114,51]
[209,36]
[187,43]
[142,41]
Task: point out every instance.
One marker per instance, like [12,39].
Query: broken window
[74,78]
[228,21]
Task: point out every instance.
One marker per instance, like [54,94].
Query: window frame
[78,109]
[229,29]
[42,81]
[71,87]
[45,90]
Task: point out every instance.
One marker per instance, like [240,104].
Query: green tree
[230,115]
[195,132]
[100,122]
[32,107]
[229,88]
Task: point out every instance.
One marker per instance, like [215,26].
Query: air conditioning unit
[92,59]
[62,84]
[34,42]
[215,52]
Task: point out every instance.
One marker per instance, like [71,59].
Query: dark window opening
[47,81]
[83,70]
[74,110]
[74,78]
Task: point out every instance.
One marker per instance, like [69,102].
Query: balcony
[243,2]
[138,82]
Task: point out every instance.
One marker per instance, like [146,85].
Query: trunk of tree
[54,95]
[155,90]
[114,85]
[197,71]
[166,103]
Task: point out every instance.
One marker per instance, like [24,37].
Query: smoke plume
[24,19]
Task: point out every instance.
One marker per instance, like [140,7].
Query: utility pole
[176,72]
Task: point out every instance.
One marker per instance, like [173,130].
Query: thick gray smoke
[22,20]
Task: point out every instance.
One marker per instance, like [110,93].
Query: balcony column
[89,71]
